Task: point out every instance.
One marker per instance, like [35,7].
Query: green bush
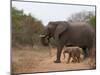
[25,28]
[92,21]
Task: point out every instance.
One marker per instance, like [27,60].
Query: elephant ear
[61,27]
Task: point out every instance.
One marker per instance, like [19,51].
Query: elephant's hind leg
[69,59]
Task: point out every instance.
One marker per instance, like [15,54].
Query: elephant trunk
[44,40]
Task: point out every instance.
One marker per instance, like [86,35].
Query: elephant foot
[92,63]
[92,66]
[57,61]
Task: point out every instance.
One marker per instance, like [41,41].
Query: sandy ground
[30,61]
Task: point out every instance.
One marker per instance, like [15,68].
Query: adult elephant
[64,33]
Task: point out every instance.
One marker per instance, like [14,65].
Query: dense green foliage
[92,21]
[25,28]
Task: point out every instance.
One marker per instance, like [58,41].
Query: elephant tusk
[42,35]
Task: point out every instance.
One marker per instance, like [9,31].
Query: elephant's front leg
[59,51]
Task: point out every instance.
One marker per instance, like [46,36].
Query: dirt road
[29,61]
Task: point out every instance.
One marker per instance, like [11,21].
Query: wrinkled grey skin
[74,52]
[64,33]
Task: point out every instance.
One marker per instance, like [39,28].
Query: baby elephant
[74,53]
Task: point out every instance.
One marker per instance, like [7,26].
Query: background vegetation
[26,28]
[84,16]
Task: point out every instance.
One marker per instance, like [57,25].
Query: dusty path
[26,61]
[48,65]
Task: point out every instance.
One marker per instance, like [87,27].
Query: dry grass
[23,60]
[28,60]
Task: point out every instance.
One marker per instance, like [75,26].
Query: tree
[83,16]
[25,28]
[92,21]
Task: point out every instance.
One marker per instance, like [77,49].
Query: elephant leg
[69,59]
[73,60]
[59,50]
[92,58]
[78,59]
[86,52]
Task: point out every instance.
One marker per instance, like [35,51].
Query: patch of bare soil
[29,61]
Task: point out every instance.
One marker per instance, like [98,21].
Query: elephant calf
[74,53]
